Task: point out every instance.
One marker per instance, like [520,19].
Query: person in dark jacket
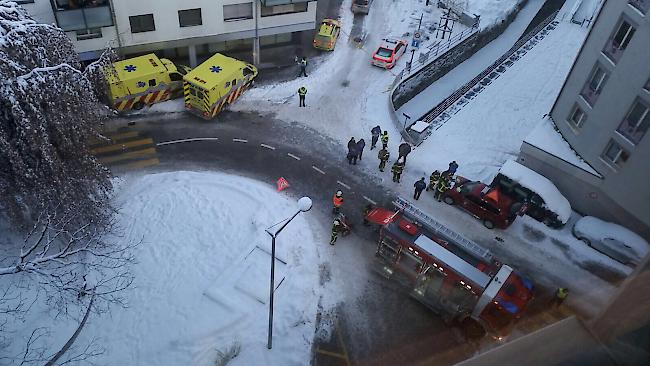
[303,67]
[453,166]
[383,157]
[361,144]
[404,150]
[419,187]
[376,131]
[352,151]
[366,210]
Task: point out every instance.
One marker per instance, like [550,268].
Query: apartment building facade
[603,112]
[175,28]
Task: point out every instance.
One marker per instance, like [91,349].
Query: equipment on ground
[447,272]
[215,84]
[144,80]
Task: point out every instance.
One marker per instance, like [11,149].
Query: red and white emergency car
[447,272]
[390,50]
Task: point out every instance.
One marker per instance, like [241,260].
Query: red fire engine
[447,272]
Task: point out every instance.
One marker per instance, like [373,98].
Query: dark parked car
[487,204]
[361,6]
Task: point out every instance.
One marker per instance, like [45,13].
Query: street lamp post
[304,205]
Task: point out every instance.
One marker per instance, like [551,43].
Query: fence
[450,100]
[437,49]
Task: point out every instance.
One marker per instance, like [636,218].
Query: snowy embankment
[202,275]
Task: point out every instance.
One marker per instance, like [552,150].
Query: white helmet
[339,193]
[337,222]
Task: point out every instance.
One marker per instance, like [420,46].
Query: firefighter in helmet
[433,180]
[337,201]
[336,227]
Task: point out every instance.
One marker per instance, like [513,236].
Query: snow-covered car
[611,239]
[389,51]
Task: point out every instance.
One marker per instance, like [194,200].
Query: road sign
[415,43]
[282,184]
[417,35]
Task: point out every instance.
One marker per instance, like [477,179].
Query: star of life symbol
[216,68]
[129,68]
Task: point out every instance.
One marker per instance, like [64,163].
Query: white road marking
[343,184]
[239,140]
[369,200]
[316,169]
[267,146]
[186,140]
[293,156]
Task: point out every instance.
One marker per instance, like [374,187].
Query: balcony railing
[84,18]
[282,2]
[641,5]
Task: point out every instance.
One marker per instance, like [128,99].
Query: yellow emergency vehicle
[144,80]
[215,84]
[327,35]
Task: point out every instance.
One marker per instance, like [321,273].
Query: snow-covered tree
[48,114]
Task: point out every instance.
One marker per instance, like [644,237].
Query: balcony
[75,15]
[640,5]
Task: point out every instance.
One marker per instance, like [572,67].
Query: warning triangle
[281,184]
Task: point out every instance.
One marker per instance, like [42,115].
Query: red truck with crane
[447,272]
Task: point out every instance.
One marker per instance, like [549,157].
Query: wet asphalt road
[378,324]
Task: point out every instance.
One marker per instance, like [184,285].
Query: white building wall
[169,34]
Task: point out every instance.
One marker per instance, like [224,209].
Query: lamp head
[304,204]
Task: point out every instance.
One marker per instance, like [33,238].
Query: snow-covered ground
[202,274]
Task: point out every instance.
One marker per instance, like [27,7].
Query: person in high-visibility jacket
[433,180]
[560,295]
[442,187]
[384,139]
[397,169]
[301,94]
[336,227]
[337,201]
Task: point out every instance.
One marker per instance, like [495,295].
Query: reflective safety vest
[562,293]
[383,155]
[384,138]
[397,168]
[302,91]
[443,185]
[337,201]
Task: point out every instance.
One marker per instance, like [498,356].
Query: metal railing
[450,100]
[442,231]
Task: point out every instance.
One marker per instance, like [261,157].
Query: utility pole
[256,40]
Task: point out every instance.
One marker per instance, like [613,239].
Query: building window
[619,41]
[80,15]
[640,5]
[238,11]
[268,11]
[24,1]
[577,117]
[142,23]
[615,154]
[189,17]
[594,85]
[89,34]
[636,123]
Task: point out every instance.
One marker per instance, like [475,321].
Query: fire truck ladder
[443,231]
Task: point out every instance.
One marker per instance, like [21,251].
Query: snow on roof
[545,137]
[553,199]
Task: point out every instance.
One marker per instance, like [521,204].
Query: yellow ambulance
[144,80]
[215,84]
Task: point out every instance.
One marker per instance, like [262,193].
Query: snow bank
[491,11]
[203,270]
[553,199]
[546,138]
